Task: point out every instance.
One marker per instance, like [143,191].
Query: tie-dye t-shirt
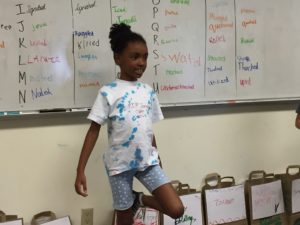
[129,109]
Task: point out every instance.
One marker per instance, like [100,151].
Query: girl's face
[132,61]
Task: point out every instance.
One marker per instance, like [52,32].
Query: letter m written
[22,76]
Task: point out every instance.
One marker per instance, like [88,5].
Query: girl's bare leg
[166,200]
[124,217]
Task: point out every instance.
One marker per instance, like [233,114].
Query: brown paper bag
[287,184]
[213,182]
[2,216]
[43,217]
[260,177]
[184,189]
[12,221]
[6,218]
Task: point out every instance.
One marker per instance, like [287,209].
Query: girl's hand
[80,184]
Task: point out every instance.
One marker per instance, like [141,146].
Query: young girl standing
[129,108]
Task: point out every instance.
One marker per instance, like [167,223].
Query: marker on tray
[52,110]
[12,113]
[29,112]
[80,109]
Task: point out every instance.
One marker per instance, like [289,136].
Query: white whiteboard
[56,54]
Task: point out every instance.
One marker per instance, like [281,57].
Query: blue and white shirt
[130,109]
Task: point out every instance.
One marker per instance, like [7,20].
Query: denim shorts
[121,184]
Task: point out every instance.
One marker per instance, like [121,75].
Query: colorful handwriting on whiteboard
[37,8]
[249,67]
[217,39]
[169,27]
[40,59]
[40,92]
[37,43]
[183,2]
[248,22]
[185,218]
[182,58]
[123,18]
[177,87]
[245,64]
[39,26]
[128,20]
[247,40]
[219,81]
[80,8]
[245,82]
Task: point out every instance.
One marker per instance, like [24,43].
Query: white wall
[39,154]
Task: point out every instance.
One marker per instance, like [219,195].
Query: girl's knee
[177,211]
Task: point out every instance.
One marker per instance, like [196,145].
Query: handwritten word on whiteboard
[267,200]
[192,211]
[225,205]
[296,196]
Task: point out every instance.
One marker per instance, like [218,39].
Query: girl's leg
[124,217]
[123,198]
[165,200]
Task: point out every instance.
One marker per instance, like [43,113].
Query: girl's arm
[88,146]
[154,145]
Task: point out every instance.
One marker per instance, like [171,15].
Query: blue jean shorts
[121,184]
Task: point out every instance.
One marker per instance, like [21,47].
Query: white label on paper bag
[267,200]
[151,217]
[296,196]
[13,222]
[61,221]
[225,205]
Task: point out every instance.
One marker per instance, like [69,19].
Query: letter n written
[22,76]
[22,96]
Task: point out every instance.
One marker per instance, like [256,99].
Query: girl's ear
[117,58]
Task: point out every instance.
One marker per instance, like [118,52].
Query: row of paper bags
[264,199]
